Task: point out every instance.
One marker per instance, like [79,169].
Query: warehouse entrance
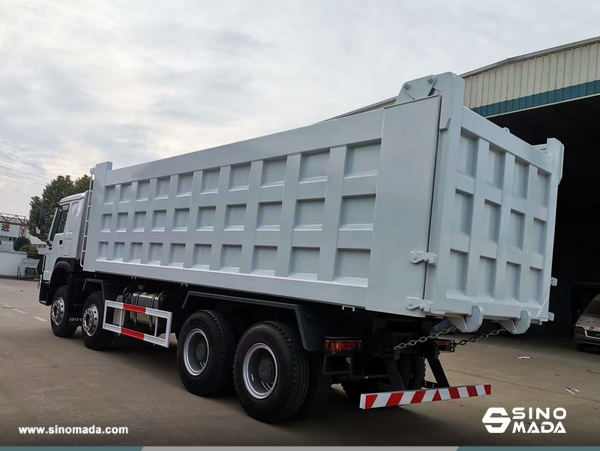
[576,262]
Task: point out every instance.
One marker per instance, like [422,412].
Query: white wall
[9,262]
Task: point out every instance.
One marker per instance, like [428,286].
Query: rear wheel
[205,350]
[319,386]
[417,372]
[60,315]
[271,372]
[94,336]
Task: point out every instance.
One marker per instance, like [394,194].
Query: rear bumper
[582,338]
[406,397]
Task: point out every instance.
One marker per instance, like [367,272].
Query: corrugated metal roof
[548,76]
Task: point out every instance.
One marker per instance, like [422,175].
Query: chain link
[475,339]
[444,331]
[424,338]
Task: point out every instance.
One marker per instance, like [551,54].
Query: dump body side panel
[333,213]
[293,214]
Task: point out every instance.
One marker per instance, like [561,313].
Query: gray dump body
[422,208]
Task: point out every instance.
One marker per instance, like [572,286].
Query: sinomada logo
[525,420]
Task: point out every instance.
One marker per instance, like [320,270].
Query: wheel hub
[201,352]
[265,370]
[90,320]
[260,371]
[57,312]
[196,352]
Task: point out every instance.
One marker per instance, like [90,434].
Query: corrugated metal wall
[556,75]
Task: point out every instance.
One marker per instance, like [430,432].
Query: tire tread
[300,376]
[223,379]
[319,387]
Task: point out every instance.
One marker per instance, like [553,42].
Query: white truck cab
[66,232]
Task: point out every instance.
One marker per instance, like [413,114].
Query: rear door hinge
[417,257]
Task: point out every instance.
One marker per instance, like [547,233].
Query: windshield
[593,308]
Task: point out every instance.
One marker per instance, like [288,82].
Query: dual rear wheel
[274,377]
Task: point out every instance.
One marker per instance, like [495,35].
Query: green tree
[20,242]
[61,186]
[29,248]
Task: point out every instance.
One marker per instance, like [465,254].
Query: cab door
[71,230]
[56,238]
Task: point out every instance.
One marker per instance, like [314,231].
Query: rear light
[445,345]
[341,345]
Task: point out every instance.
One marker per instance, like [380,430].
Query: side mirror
[42,217]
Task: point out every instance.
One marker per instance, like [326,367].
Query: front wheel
[94,336]
[271,372]
[60,314]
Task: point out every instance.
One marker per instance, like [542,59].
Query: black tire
[205,351]
[277,348]
[319,387]
[239,325]
[63,325]
[355,389]
[94,336]
[581,347]
[417,372]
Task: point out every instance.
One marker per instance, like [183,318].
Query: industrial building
[13,226]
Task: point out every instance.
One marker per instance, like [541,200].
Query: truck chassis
[285,353]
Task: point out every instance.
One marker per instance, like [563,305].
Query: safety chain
[479,337]
[444,331]
[424,338]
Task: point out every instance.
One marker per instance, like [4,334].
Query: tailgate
[492,227]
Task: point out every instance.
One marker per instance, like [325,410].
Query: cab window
[61,220]
[72,213]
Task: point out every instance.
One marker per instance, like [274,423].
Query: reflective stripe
[402,398]
[132,333]
[134,308]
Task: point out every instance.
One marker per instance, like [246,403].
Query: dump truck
[337,253]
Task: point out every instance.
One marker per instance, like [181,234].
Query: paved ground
[47,381]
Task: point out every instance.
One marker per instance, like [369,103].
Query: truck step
[402,398]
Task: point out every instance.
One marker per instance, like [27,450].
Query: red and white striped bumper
[135,334]
[402,398]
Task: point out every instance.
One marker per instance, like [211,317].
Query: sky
[82,82]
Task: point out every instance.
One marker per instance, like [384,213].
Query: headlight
[579,330]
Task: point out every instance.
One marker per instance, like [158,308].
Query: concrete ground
[48,381]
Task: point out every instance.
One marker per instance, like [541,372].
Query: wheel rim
[260,370]
[57,312]
[196,352]
[90,320]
